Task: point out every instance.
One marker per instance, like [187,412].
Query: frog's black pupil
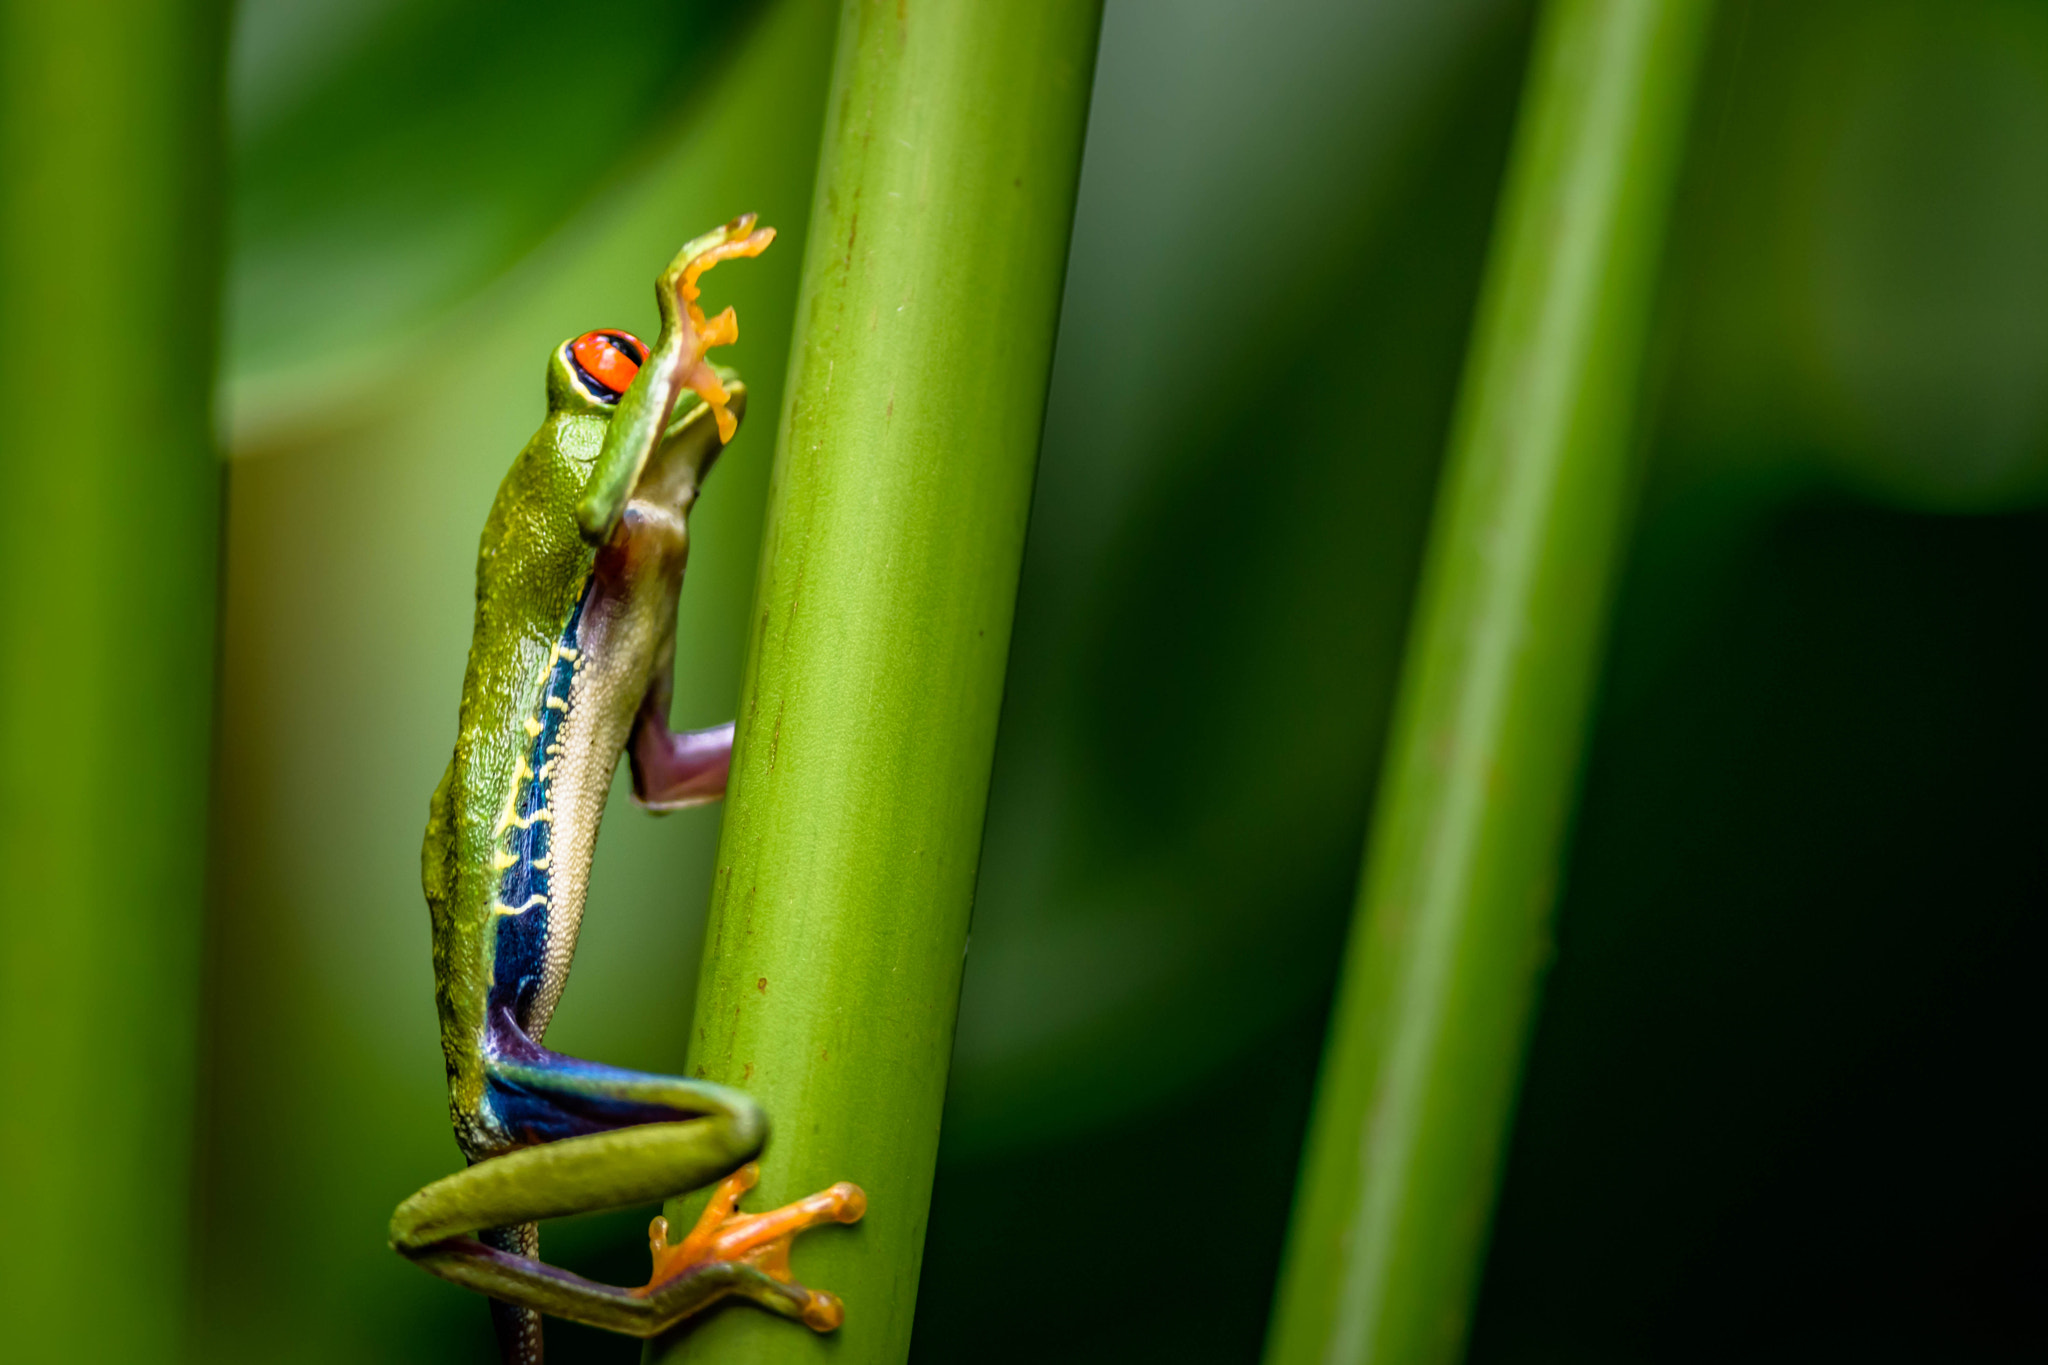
[625,346]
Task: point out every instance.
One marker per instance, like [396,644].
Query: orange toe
[762,1240]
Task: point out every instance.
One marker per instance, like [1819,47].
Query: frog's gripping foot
[725,1237]
[738,238]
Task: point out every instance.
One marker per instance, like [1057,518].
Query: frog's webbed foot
[753,1248]
[678,291]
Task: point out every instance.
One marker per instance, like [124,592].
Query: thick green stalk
[109,148]
[1453,924]
[867,722]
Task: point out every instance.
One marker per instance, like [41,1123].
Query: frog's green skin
[577,578]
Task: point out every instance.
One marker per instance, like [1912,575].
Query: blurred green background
[1776,1103]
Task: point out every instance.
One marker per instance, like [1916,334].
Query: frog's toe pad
[850,1201]
[823,1312]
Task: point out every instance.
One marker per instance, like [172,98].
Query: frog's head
[587,376]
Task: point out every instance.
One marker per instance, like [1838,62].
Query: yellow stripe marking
[510,821]
[531,901]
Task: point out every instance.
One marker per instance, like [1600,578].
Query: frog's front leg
[620,1138]
[670,770]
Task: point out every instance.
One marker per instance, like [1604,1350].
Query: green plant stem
[1452,931]
[867,723]
[109,275]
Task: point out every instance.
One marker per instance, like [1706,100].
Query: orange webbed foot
[738,238]
[761,1240]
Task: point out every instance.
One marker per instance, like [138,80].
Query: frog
[571,668]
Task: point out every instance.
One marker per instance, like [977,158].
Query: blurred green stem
[838,920]
[109,275]
[1453,923]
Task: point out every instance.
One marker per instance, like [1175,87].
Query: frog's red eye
[606,362]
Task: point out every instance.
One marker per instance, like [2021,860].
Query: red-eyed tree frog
[571,665]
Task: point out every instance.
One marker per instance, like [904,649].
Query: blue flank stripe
[521,954]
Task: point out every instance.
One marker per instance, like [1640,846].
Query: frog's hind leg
[606,1138]
[743,1254]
